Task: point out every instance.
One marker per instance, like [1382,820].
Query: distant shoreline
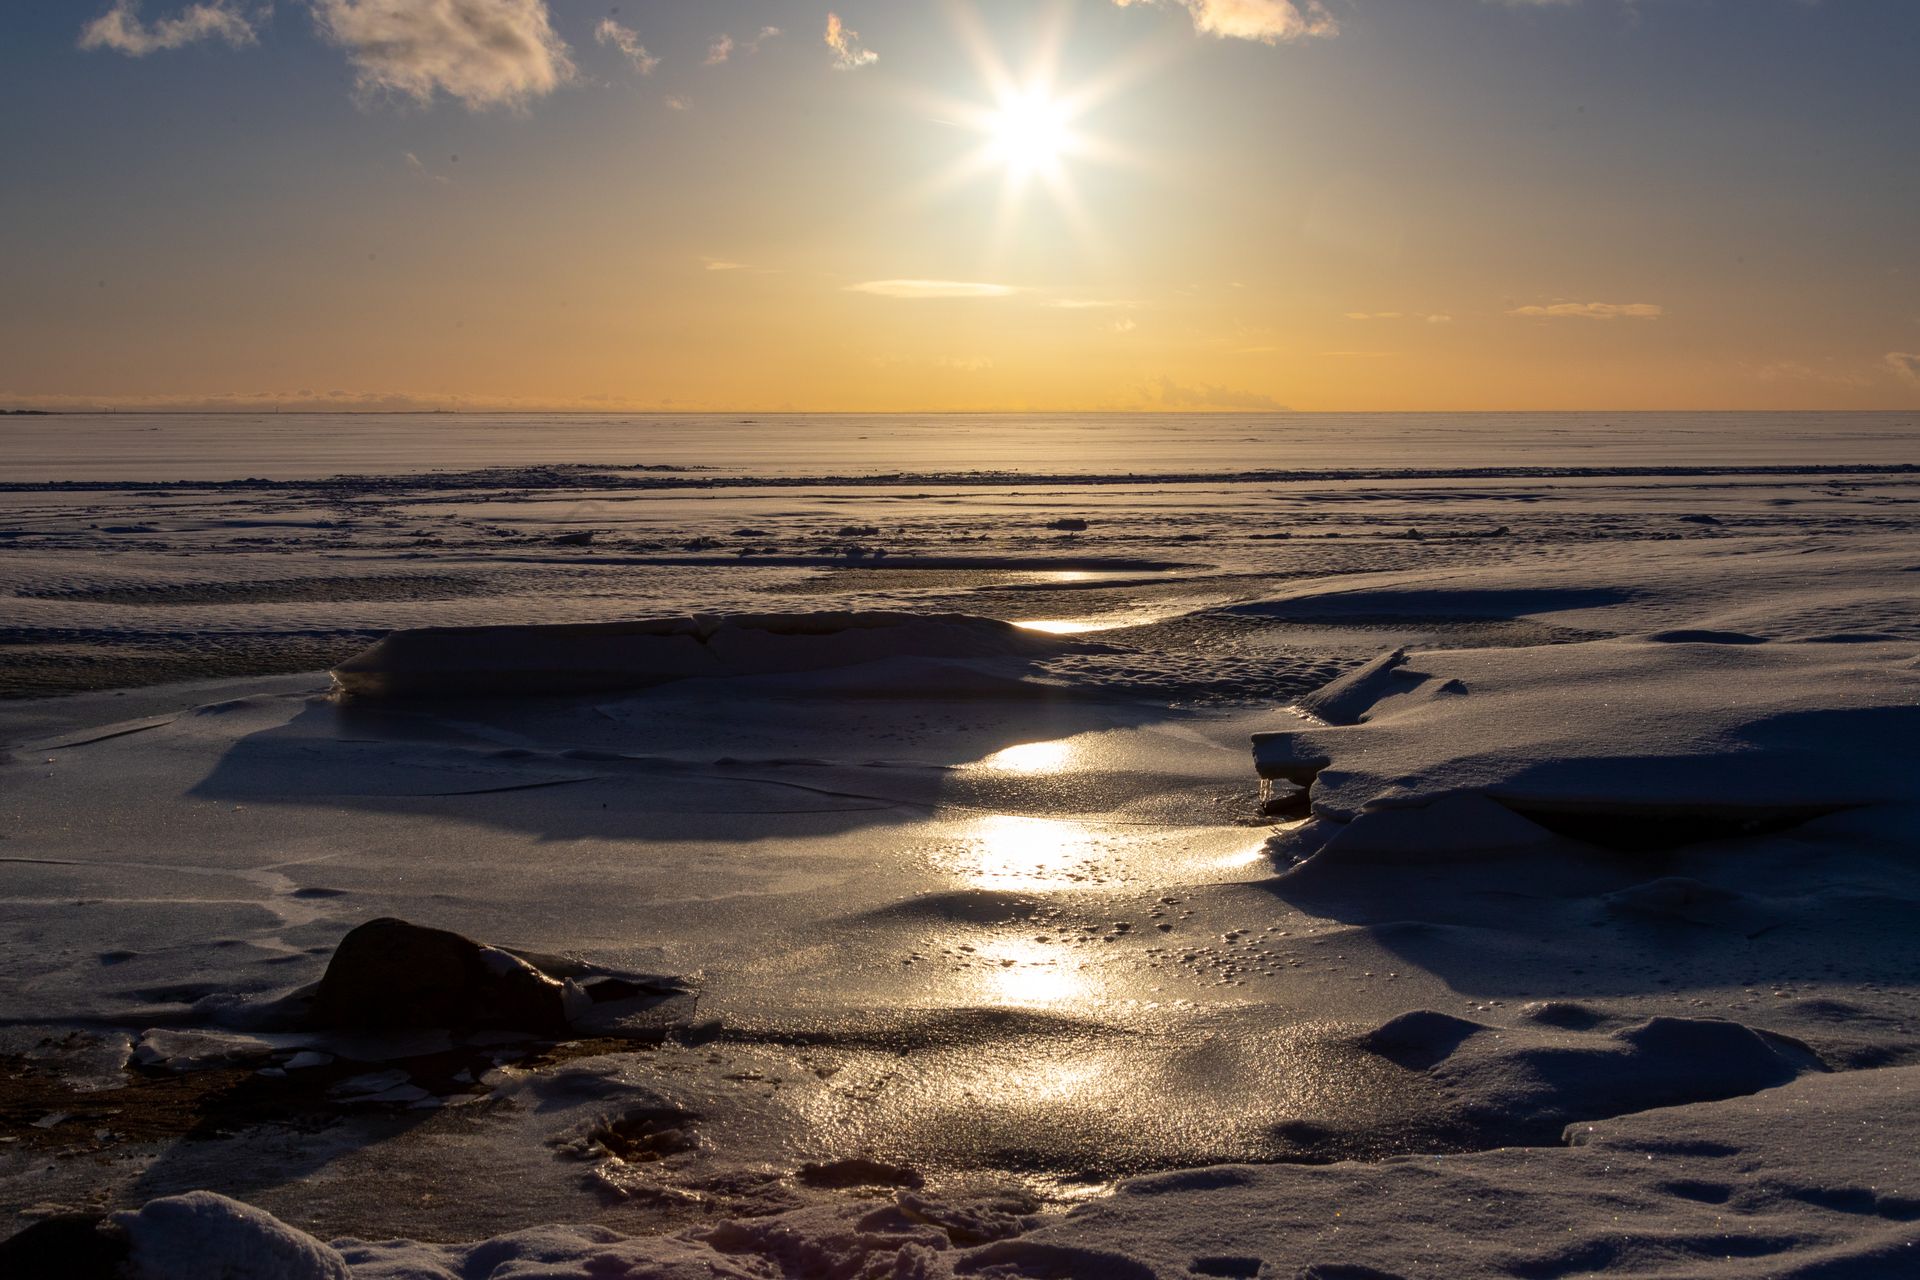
[1885,411]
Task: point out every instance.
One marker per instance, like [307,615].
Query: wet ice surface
[1008,952]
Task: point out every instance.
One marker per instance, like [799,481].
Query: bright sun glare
[1029,126]
[1029,132]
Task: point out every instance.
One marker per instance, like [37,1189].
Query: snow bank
[436,661]
[1452,751]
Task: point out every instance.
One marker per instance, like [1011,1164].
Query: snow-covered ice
[898,940]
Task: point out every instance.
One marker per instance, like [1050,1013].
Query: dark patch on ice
[66,1246]
[1705,637]
[1345,1271]
[340,590]
[1860,1200]
[183,993]
[317,892]
[1030,1260]
[640,1135]
[1433,604]
[1702,1192]
[1207,1179]
[1660,829]
[1232,1267]
[860,1171]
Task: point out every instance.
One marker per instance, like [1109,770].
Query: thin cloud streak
[935,289]
[1592,311]
[627,41]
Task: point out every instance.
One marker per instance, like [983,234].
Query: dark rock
[1068,524]
[1286,800]
[67,1246]
[582,539]
[390,974]
[1698,520]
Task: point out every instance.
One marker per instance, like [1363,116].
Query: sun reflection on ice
[1027,973]
[1008,851]
[1032,757]
[1065,626]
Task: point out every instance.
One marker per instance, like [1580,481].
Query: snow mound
[203,1236]
[1621,743]
[586,657]
[1527,1084]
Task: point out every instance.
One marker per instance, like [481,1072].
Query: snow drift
[1627,743]
[587,657]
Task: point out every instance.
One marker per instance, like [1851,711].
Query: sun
[1029,132]
[1030,129]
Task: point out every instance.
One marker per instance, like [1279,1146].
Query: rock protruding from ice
[1629,744]
[588,657]
[388,974]
[199,1050]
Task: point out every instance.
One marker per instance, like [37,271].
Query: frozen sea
[1268,845]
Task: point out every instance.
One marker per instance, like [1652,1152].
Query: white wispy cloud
[932,289]
[418,168]
[1268,21]
[719,49]
[849,53]
[485,53]
[122,30]
[1399,315]
[1905,365]
[1592,311]
[627,41]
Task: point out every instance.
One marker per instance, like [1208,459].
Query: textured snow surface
[988,956]
[1815,1178]
[1450,753]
